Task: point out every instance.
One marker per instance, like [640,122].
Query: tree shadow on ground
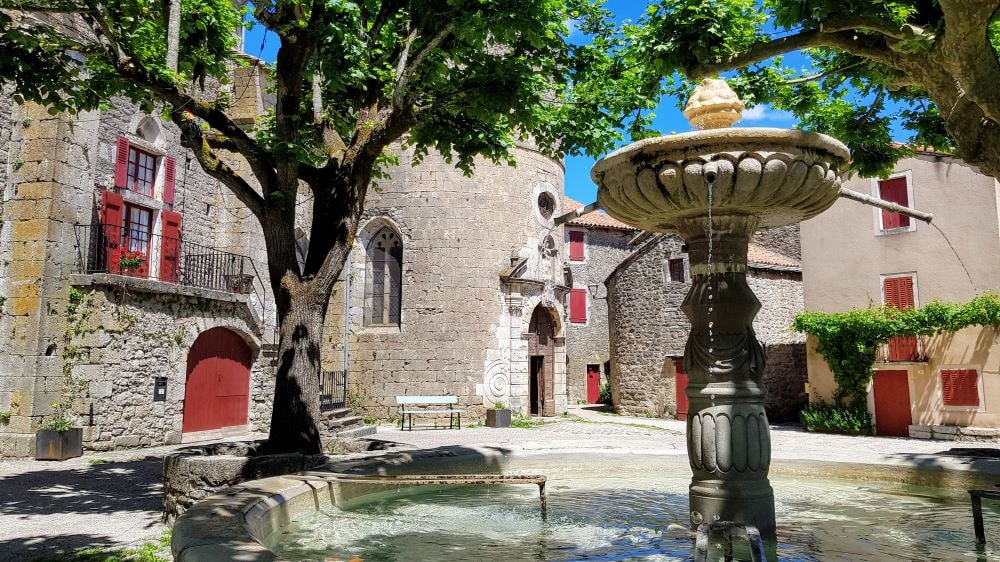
[129,490]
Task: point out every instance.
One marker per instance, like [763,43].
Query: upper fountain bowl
[780,176]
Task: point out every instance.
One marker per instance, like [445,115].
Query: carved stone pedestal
[728,439]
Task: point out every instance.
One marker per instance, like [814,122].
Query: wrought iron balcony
[106,248]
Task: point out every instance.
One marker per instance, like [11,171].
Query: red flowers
[129,259]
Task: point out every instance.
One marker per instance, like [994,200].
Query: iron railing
[100,249]
[332,390]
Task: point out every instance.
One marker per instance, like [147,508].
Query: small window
[675,270]
[899,293]
[384,284]
[576,245]
[960,387]
[578,306]
[141,171]
[895,190]
[546,204]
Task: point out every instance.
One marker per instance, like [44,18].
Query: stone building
[596,243]
[457,287]
[649,331]
[944,386]
[129,275]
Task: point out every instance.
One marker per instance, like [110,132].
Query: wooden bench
[420,405]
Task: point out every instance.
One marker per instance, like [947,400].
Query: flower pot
[498,418]
[54,445]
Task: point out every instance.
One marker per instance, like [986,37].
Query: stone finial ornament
[713,105]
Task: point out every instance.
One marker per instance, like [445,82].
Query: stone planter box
[53,445]
[498,418]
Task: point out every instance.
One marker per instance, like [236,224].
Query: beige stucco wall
[844,259]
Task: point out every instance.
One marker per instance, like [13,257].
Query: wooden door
[541,343]
[681,383]
[593,384]
[217,393]
[892,403]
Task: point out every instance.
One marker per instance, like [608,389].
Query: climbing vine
[848,341]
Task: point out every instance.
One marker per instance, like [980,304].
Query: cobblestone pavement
[113,498]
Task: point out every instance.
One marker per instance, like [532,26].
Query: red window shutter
[899,295]
[121,163]
[894,190]
[170,248]
[960,387]
[575,245]
[169,174]
[578,306]
[111,227]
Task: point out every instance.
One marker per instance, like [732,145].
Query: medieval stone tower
[456,287]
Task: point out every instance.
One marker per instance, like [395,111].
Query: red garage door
[218,381]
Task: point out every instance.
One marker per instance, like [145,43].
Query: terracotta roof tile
[594,219]
[757,254]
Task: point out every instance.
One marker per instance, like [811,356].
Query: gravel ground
[113,499]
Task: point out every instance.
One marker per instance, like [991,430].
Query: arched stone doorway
[541,363]
[217,392]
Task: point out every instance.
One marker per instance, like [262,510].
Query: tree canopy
[928,65]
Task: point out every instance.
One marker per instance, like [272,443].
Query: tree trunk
[295,412]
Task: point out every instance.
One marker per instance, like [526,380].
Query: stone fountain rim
[231,524]
[757,137]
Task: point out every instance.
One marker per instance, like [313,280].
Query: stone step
[336,413]
[360,431]
[342,423]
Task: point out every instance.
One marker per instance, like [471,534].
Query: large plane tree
[352,78]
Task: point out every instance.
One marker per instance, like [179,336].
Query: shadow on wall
[785,377]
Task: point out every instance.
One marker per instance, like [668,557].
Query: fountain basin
[239,522]
[779,176]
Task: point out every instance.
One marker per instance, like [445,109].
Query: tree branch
[405,70]
[193,138]
[821,75]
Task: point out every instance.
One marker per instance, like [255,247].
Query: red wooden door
[681,382]
[593,384]
[892,403]
[218,381]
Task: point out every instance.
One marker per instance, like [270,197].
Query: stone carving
[725,442]
[713,105]
[497,381]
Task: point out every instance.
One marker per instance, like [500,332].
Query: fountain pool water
[638,510]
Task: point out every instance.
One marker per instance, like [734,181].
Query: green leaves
[849,340]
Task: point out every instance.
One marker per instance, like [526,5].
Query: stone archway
[217,391]
[541,362]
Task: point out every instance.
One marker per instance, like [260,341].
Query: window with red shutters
[960,387]
[576,245]
[675,270]
[898,293]
[578,306]
[895,191]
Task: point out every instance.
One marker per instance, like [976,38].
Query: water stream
[711,274]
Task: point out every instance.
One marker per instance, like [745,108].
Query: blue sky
[578,183]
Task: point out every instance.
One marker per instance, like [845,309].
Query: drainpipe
[347,313]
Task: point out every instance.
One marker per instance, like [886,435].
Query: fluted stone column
[729,446]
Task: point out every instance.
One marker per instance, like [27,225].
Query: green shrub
[836,418]
[604,394]
[4,417]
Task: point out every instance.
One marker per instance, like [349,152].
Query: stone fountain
[715,187]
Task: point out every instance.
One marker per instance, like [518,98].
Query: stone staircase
[340,424]
[334,424]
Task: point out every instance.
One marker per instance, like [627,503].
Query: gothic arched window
[384,283]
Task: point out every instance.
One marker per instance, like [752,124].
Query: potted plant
[57,439]
[240,283]
[129,262]
[498,416]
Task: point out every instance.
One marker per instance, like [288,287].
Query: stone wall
[460,325]
[784,240]
[648,329]
[52,181]
[587,344]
